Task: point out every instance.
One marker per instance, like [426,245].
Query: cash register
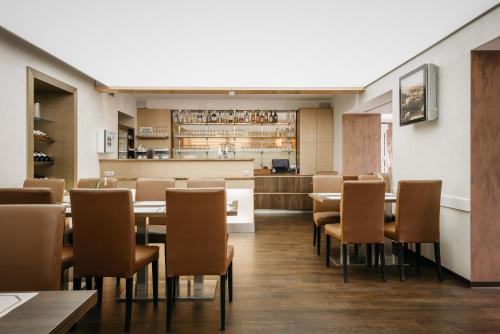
[280,166]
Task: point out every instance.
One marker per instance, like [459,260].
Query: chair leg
[381,252]
[118,281]
[437,255]
[328,245]
[222,302]
[230,281]
[401,261]
[369,254]
[345,259]
[418,247]
[88,283]
[318,240]
[174,290]
[98,284]
[377,255]
[169,301]
[155,281]
[77,283]
[314,234]
[128,302]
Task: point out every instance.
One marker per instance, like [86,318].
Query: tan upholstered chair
[361,222]
[57,186]
[31,245]
[35,196]
[325,213]
[154,190]
[97,183]
[350,177]
[389,216]
[206,183]
[368,177]
[417,219]
[104,240]
[197,240]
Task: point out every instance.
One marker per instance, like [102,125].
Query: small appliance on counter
[280,166]
[161,153]
[141,152]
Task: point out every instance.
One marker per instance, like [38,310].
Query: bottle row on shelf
[248,148]
[42,157]
[233,116]
[281,132]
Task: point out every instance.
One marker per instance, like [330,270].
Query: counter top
[173,160]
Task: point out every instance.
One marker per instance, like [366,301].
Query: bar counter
[238,174]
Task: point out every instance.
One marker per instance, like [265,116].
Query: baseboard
[445,270]
[485,284]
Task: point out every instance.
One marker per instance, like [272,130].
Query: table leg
[197,288]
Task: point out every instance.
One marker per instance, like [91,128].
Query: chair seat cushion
[390,231]
[334,230]
[328,217]
[67,257]
[157,229]
[145,255]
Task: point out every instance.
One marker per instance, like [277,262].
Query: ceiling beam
[228,91]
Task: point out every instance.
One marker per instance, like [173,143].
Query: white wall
[440,149]
[93,112]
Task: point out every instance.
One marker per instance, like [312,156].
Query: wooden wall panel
[154,117]
[485,166]
[360,143]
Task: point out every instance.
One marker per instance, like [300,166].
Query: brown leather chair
[350,177]
[206,183]
[154,190]
[57,186]
[389,216]
[417,219]
[31,245]
[197,240]
[361,222]
[97,183]
[104,240]
[35,196]
[325,213]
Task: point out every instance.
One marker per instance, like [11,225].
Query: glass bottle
[247,117]
[266,117]
[261,117]
[214,117]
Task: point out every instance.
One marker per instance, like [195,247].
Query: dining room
[251,171]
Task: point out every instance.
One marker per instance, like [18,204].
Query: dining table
[196,288]
[42,312]
[335,197]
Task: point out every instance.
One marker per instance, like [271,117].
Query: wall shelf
[43,163]
[39,119]
[152,137]
[41,139]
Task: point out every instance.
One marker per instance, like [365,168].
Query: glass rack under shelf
[225,138]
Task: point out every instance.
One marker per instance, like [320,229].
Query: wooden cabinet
[283,192]
[316,140]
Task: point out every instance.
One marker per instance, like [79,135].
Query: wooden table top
[335,197]
[49,312]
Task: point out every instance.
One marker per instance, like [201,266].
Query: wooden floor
[282,286]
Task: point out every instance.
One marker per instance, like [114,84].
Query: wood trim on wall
[32,75]
[228,90]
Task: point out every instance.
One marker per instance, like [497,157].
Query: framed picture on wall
[418,95]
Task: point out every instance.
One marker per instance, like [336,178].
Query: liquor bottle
[247,117]
[261,118]
[231,116]
[214,117]
[252,117]
[275,117]
[204,117]
[266,117]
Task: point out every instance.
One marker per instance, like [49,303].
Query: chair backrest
[57,186]
[362,212]
[206,183]
[350,177]
[417,210]
[368,177]
[27,196]
[152,189]
[97,183]
[103,232]
[197,231]
[327,184]
[31,239]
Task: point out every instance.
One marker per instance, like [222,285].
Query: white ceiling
[236,43]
